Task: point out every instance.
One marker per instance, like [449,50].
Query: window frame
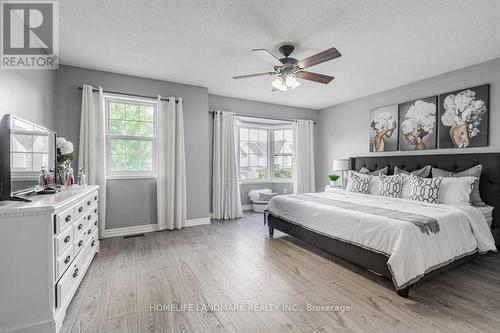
[270,152]
[110,98]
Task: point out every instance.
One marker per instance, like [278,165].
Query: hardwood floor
[235,263]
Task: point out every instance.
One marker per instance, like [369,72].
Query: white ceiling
[384,43]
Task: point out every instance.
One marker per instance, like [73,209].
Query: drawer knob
[80,243]
[89,203]
[80,226]
[93,243]
[68,258]
[88,232]
[80,209]
[95,223]
[95,198]
[95,210]
[89,217]
[68,218]
[75,273]
[67,239]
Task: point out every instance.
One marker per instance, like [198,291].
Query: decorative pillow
[374,173]
[358,182]
[266,196]
[456,190]
[390,186]
[475,197]
[374,185]
[424,172]
[425,189]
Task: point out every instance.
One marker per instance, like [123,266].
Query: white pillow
[456,190]
[374,185]
[406,188]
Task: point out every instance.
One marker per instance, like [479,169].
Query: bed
[338,222]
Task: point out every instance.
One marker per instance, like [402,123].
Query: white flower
[383,121]
[420,117]
[65,146]
[463,108]
[407,127]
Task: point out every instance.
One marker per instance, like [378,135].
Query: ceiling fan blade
[267,57]
[319,58]
[320,78]
[253,75]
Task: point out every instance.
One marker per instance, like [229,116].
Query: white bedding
[487,212]
[412,253]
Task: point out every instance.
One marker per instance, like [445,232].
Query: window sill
[266,181]
[138,176]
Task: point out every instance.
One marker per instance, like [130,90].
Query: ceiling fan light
[279,84]
[294,84]
[290,80]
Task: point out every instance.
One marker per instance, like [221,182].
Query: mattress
[411,253]
[487,212]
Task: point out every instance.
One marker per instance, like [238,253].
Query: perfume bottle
[82,178]
[51,178]
[42,179]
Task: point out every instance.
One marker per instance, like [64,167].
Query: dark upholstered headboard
[490,178]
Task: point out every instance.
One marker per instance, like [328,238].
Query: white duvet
[412,253]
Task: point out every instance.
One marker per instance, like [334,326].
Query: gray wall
[256,109]
[133,202]
[344,128]
[28,94]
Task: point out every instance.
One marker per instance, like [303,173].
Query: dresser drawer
[79,209]
[67,285]
[64,261]
[79,227]
[63,241]
[63,220]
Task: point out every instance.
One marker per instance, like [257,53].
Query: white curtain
[303,156]
[92,151]
[226,199]
[171,183]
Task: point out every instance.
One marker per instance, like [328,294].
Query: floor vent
[133,236]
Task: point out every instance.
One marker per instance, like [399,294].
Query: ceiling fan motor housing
[286,50]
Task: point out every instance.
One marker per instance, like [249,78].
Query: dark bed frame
[376,262]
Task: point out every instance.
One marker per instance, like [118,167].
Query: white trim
[131,176]
[199,221]
[141,229]
[247,207]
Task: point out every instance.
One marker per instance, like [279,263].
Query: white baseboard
[141,229]
[247,207]
[200,221]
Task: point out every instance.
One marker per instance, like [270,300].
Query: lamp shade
[340,165]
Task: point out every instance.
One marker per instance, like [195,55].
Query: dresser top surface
[46,203]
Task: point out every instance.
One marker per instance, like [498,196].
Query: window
[253,153]
[131,137]
[283,149]
[265,152]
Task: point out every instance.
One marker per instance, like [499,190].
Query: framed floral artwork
[464,118]
[418,124]
[384,128]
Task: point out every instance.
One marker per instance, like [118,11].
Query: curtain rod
[260,117]
[132,95]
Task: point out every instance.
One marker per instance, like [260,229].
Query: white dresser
[46,247]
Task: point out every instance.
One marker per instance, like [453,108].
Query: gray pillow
[367,171]
[475,196]
[424,172]
[425,189]
[264,196]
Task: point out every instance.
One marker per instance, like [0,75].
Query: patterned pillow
[358,183]
[425,189]
[390,186]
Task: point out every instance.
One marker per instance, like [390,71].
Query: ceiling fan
[287,70]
